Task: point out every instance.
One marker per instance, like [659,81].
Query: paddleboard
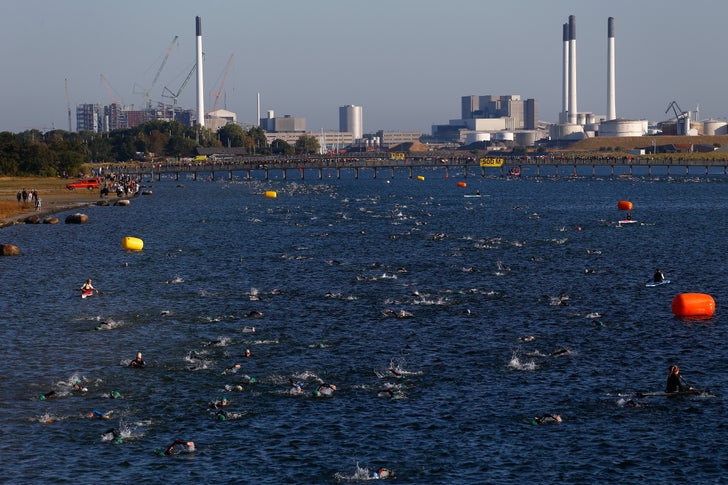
[626,221]
[472,195]
[86,293]
[651,284]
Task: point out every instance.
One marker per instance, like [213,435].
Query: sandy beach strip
[53,194]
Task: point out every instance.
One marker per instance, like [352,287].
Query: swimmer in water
[395,371]
[98,414]
[254,314]
[324,390]
[562,351]
[383,473]
[247,353]
[180,446]
[220,404]
[295,388]
[47,395]
[112,434]
[231,370]
[77,387]
[138,362]
[546,418]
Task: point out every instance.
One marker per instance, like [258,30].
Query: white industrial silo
[350,120]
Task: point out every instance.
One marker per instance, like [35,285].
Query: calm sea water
[322,262]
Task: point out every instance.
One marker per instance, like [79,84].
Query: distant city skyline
[406,63]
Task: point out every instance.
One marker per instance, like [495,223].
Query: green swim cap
[118,439]
[221,417]
[252,379]
[115,394]
[41,397]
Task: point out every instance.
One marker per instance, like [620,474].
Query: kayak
[691,392]
[651,284]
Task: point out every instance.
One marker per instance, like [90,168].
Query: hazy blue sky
[407,62]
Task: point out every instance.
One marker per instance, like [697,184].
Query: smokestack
[565,77]
[200,88]
[573,111]
[257,121]
[611,95]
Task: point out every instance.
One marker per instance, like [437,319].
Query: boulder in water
[34,219]
[77,218]
[50,220]
[9,250]
[123,202]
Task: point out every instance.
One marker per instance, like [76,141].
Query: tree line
[63,153]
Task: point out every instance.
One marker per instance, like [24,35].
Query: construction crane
[679,114]
[174,95]
[222,84]
[682,118]
[112,94]
[68,104]
[147,92]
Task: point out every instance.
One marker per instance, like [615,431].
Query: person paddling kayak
[88,288]
[675,381]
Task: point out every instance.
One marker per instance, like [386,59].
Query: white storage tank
[477,136]
[526,138]
[621,127]
[715,127]
[503,136]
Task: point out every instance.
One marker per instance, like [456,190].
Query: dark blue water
[322,262]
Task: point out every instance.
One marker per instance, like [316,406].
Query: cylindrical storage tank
[715,127]
[462,184]
[621,127]
[503,136]
[693,305]
[420,178]
[525,138]
[624,205]
[132,243]
[271,194]
[476,136]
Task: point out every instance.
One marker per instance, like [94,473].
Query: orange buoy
[624,205]
[271,194]
[462,184]
[693,305]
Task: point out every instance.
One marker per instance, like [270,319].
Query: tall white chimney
[573,111]
[611,90]
[565,78]
[200,87]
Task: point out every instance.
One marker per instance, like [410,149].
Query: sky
[406,62]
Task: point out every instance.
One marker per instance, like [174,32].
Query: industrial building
[483,118]
[350,120]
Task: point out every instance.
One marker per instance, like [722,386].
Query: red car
[84,184]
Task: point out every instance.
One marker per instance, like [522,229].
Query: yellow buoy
[132,243]
[271,194]
[420,178]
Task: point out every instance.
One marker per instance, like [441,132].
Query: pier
[466,165]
